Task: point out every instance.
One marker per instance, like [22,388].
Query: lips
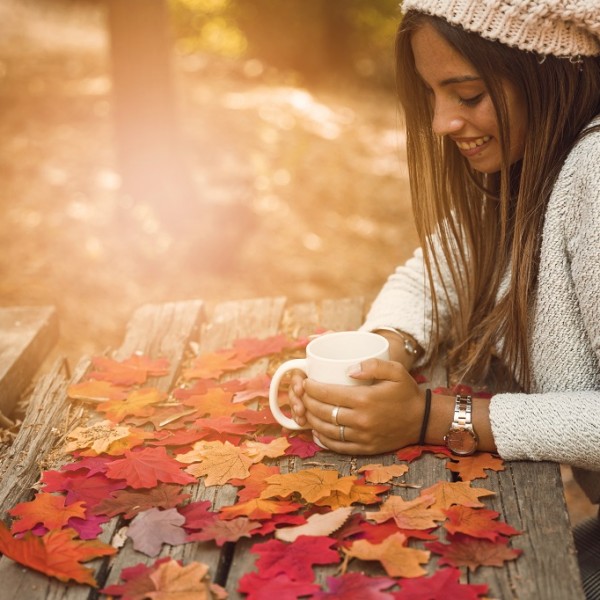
[472,144]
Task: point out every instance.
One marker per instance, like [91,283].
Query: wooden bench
[528,495]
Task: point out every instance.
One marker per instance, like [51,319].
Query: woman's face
[462,107]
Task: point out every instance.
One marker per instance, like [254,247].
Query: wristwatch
[461,438]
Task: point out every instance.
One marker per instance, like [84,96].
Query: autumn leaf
[257,387]
[467,551]
[154,367]
[152,528]
[215,402]
[249,349]
[136,581]
[130,503]
[477,522]
[223,428]
[301,446]
[198,514]
[447,493]
[146,467]
[176,582]
[396,558]
[116,372]
[317,525]
[139,403]
[56,554]
[356,586]
[83,487]
[409,514]
[310,484]
[295,560]
[258,508]
[360,493]
[382,473]
[225,531]
[251,487]
[257,451]
[442,585]
[218,461]
[281,586]
[473,467]
[97,437]
[213,364]
[410,453]
[47,510]
[95,391]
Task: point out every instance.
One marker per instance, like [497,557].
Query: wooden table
[528,495]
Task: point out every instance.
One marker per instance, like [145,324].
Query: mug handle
[296,363]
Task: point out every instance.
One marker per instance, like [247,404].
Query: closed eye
[472,101]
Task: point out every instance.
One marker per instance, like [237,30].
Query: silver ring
[334,414]
[342,436]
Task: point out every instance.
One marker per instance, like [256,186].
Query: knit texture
[560,420]
[565,28]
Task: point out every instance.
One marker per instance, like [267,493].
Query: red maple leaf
[467,551]
[145,468]
[225,531]
[356,586]
[137,583]
[410,453]
[301,445]
[116,372]
[477,522]
[249,349]
[281,586]
[442,585]
[56,554]
[213,364]
[45,509]
[198,514]
[129,503]
[91,464]
[90,489]
[295,560]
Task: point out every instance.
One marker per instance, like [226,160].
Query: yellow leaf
[411,514]
[447,493]
[256,451]
[97,437]
[381,473]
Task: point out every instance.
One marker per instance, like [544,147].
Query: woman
[502,108]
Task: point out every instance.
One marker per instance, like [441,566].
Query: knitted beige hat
[565,28]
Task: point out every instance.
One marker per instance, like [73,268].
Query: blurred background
[163,150]
[158,150]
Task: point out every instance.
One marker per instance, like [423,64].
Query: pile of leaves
[144,451]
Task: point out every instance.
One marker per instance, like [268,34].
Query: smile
[474,144]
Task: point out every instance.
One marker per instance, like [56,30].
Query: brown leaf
[311,484]
[447,493]
[473,467]
[409,514]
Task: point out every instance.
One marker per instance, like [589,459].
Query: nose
[445,120]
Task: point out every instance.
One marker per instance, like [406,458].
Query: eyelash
[470,101]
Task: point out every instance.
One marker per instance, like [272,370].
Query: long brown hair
[485,230]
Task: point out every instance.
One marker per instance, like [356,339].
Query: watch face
[462,442]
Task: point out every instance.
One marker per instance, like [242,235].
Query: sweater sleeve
[564,426]
[405,303]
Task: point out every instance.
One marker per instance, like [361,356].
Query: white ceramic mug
[329,359]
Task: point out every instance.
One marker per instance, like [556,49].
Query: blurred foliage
[321,40]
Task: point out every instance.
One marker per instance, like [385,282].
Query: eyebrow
[463,79]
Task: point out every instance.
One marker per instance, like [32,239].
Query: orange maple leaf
[213,364]
[477,522]
[138,403]
[447,493]
[215,402]
[258,508]
[56,554]
[359,493]
[95,391]
[409,514]
[47,510]
[396,558]
[382,473]
[311,484]
[218,461]
[171,580]
[256,451]
[473,467]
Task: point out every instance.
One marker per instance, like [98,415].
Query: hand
[376,418]
[296,395]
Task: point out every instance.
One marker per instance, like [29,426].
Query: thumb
[375,368]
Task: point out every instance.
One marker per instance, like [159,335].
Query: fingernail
[355,370]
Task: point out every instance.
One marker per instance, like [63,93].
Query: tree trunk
[150,152]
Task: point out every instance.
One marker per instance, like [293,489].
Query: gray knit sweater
[560,420]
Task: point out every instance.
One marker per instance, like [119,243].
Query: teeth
[470,145]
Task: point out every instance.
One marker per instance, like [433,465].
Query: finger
[375,368]
[330,395]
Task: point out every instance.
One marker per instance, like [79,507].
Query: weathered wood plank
[159,330]
[27,334]
[229,321]
[48,417]
[549,567]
